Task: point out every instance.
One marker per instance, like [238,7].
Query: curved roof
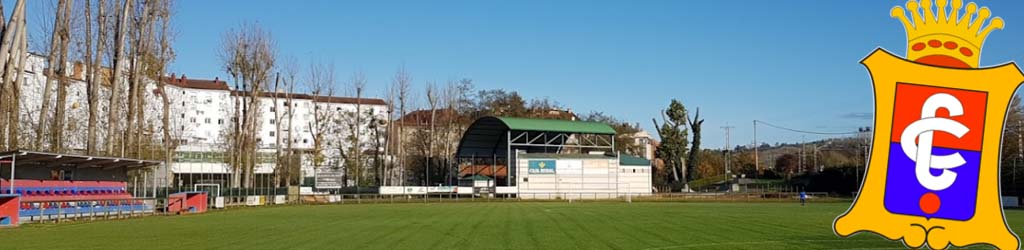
[551,125]
[487,135]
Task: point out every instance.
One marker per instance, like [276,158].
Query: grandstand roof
[552,125]
[489,135]
[23,158]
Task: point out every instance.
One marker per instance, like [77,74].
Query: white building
[647,143]
[201,112]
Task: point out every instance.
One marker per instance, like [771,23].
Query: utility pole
[757,164]
[727,129]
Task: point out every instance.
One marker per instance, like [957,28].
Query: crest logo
[933,175]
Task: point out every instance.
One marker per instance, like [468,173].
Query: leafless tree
[12,61]
[432,100]
[55,40]
[321,85]
[352,148]
[94,64]
[165,54]
[249,54]
[401,87]
[291,164]
[114,114]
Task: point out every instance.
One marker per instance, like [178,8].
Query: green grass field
[510,225]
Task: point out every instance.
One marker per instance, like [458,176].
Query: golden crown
[939,38]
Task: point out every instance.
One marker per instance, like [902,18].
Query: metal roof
[488,136]
[46,159]
[552,125]
[629,160]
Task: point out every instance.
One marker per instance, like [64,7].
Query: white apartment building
[201,113]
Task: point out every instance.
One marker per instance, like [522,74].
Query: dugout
[187,202]
[546,158]
[56,185]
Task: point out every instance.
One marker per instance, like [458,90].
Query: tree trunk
[63,77]
[51,61]
[94,62]
[15,107]
[14,34]
[115,83]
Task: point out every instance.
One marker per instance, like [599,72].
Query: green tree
[499,102]
[693,160]
[673,140]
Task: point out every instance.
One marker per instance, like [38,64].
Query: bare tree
[389,130]
[51,61]
[401,86]
[354,121]
[13,53]
[62,76]
[321,85]
[114,115]
[290,68]
[94,64]
[165,54]
[432,100]
[249,55]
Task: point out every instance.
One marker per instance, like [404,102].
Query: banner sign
[330,177]
[542,167]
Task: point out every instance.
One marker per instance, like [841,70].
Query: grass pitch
[508,225]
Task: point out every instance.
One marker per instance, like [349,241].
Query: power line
[806,131]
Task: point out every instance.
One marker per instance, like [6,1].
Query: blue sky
[791,63]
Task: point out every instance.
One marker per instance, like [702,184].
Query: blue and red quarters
[9,211]
[904,193]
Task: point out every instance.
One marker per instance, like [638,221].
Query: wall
[584,177]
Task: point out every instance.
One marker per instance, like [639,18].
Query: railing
[86,209]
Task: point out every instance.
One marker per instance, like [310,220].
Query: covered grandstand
[58,186]
[550,159]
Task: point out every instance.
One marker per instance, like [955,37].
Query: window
[207,121]
[220,121]
[305,140]
[182,128]
[271,133]
[182,115]
[273,110]
[339,108]
[193,119]
[634,170]
[182,103]
[271,121]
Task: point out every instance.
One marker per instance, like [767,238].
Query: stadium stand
[55,186]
